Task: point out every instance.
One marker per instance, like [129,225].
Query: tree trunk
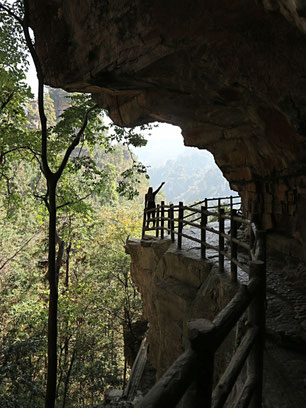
[53,296]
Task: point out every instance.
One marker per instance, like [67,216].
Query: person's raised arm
[156,191]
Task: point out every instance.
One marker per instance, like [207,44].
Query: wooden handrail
[193,370]
[179,222]
[168,391]
[228,379]
[205,337]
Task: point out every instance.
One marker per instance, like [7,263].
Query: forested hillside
[68,202]
[192,176]
[97,301]
[71,193]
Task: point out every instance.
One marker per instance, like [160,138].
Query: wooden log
[221,239]
[180,225]
[228,379]
[228,317]
[212,247]
[242,220]
[233,246]
[192,224]
[203,231]
[201,334]
[199,394]
[169,220]
[213,230]
[157,221]
[172,222]
[144,223]
[170,388]
[189,215]
[251,241]
[245,396]
[241,244]
[162,220]
[227,255]
[257,317]
[260,251]
[190,237]
[245,268]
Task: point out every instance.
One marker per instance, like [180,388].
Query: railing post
[233,246]
[221,239]
[162,216]
[172,222]
[169,220]
[257,317]
[144,223]
[203,231]
[261,244]
[157,221]
[202,341]
[180,225]
[231,203]
[251,241]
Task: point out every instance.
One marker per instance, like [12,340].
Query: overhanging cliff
[177,286]
[231,74]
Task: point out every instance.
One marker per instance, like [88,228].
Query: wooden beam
[168,391]
[245,396]
[228,379]
[228,317]
[180,225]
[233,245]
[256,317]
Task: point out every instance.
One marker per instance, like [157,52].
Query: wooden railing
[190,378]
[179,220]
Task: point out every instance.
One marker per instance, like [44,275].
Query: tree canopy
[64,279]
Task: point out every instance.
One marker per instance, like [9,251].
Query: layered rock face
[230,73]
[176,287]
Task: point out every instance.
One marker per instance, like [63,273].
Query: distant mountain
[192,176]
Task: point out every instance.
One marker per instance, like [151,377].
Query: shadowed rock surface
[230,73]
[176,286]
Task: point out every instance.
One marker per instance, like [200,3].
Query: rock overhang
[231,74]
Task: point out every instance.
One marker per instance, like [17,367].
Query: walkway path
[285,354]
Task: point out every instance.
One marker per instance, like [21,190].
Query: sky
[164,142]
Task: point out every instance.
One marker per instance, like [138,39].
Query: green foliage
[96,295]
[96,299]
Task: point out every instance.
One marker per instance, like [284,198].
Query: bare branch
[17,252]
[11,13]
[9,98]
[75,202]
[60,253]
[74,143]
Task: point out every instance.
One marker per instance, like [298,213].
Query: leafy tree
[57,144]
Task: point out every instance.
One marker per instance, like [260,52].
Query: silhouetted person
[150,203]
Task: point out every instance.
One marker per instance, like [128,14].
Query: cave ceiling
[230,73]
